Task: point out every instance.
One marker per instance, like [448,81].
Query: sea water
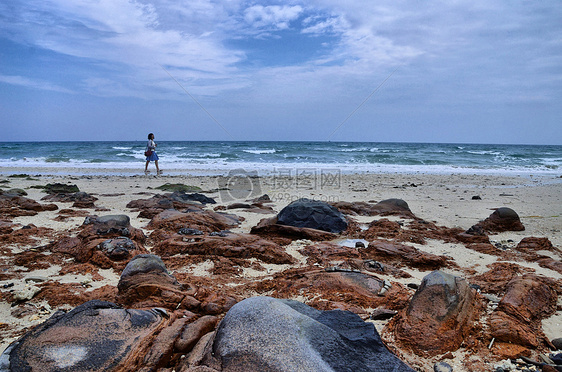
[219,158]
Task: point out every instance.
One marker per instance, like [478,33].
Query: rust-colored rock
[206,221]
[400,254]
[283,234]
[527,301]
[439,316]
[230,245]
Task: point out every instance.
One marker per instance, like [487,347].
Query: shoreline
[446,200]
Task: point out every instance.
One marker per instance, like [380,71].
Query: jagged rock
[439,316]
[528,300]
[264,333]
[206,221]
[401,254]
[56,188]
[117,249]
[312,214]
[502,219]
[12,205]
[80,199]
[228,245]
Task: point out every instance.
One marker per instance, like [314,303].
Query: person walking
[150,154]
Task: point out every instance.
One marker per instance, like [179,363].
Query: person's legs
[146,166]
[156,163]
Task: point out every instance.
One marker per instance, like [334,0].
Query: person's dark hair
[150,135]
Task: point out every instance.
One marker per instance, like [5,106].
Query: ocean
[264,158]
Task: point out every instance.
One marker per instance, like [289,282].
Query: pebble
[26,294]
[442,367]
[557,342]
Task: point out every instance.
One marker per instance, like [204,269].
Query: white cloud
[32,83]
[272,16]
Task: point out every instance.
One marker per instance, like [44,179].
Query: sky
[332,70]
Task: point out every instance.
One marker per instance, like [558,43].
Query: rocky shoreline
[373,272]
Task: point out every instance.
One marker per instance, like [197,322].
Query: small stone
[476,197]
[36,279]
[557,342]
[382,314]
[442,367]
[413,286]
[26,293]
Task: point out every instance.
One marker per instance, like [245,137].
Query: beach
[451,200]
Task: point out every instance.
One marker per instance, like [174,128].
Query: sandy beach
[457,200]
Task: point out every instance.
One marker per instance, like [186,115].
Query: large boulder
[95,336]
[312,214]
[267,334]
[439,316]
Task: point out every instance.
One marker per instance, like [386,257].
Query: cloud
[272,17]
[34,84]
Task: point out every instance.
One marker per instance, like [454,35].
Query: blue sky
[453,71]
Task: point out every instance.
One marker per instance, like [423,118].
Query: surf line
[362,103]
[197,102]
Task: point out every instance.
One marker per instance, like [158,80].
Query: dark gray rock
[557,342]
[144,263]
[95,336]
[183,197]
[312,214]
[267,334]
[118,248]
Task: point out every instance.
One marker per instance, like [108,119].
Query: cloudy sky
[340,70]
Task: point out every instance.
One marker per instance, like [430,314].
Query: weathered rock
[56,188]
[283,234]
[264,333]
[95,336]
[12,205]
[439,316]
[312,214]
[533,244]
[557,342]
[527,301]
[503,219]
[206,221]
[145,282]
[401,254]
[80,199]
[394,207]
[229,245]
[118,249]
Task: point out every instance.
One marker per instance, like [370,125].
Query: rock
[535,244]
[145,282]
[186,198]
[206,221]
[117,249]
[282,234]
[189,231]
[517,320]
[476,197]
[382,314]
[95,336]
[442,367]
[503,219]
[26,293]
[557,342]
[439,316]
[312,214]
[227,245]
[263,333]
[56,188]
[80,199]
[401,254]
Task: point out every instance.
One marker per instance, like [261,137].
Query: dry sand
[445,199]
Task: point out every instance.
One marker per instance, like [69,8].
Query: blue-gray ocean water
[216,158]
